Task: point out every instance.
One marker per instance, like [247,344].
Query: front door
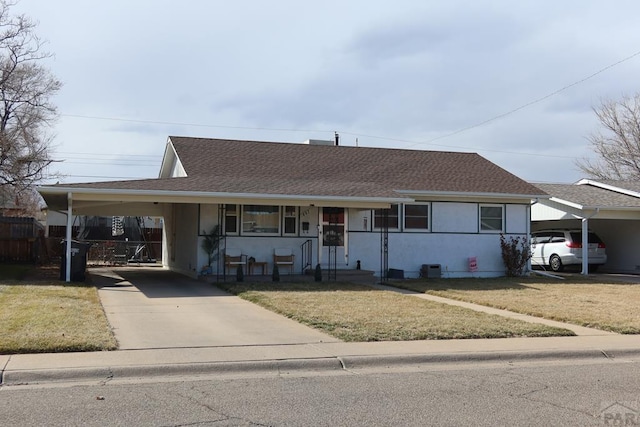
[334,238]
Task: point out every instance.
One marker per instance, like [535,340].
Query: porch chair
[233,258]
[284,258]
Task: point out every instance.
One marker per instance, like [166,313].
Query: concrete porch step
[346,274]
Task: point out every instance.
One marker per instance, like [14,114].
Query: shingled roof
[588,196]
[592,194]
[272,168]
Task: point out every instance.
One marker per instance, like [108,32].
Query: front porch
[350,275]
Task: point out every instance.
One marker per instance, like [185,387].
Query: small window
[416,217]
[392,219]
[491,218]
[257,219]
[231,219]
[290,220]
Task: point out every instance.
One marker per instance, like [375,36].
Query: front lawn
[586,301]
[353,312]
[41,316]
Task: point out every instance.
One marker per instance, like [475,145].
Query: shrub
[515,254]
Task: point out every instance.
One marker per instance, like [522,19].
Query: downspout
[585,246]
[346,236]
[528,227]
[68,237]
[320,236]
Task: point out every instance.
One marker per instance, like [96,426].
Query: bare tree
[617,145]
[26,110]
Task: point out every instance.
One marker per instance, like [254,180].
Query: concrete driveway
[149,307]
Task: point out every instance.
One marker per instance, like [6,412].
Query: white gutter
[154,195]
[567,203]
[471,194]
[609,187]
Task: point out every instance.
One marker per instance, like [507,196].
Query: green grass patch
[353,312]
[586,301]
[51,317]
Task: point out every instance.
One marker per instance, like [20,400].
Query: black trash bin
[79,252]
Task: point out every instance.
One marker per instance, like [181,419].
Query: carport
[73,199]
[611,209]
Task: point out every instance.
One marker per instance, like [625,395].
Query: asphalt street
[561,393]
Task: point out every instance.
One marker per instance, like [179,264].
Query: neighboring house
[327,204]
[609,208]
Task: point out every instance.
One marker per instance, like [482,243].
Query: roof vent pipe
[337,139]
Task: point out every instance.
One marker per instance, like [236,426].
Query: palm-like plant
[211,243]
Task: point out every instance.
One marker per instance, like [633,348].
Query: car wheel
[555,263]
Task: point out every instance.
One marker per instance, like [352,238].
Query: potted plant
[211,246]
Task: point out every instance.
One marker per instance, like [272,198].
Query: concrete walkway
[578,330]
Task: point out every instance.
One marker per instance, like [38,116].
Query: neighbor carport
[606,208]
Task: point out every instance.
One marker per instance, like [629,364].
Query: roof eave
[608,187]
[218,197]
[471,195]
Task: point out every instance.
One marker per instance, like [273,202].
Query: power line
[158,122]
[155,165]
[411,143]
[535,101]
[105,177]
[73,153]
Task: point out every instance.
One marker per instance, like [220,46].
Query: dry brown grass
[51,317]
[359,313]
[584,301]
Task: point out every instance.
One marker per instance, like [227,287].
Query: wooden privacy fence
[21,239]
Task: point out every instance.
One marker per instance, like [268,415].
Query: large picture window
[257,219]
[491,218]
[378,218]
[416,217]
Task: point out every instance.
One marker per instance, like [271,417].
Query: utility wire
[411,143]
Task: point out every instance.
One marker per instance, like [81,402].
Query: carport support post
[585,246]
[68,245]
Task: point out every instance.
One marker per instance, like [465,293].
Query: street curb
[284,366]
[361,362]
[104,374]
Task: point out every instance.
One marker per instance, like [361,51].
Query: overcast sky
[424,75]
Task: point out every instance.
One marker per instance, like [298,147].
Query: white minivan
[557,248]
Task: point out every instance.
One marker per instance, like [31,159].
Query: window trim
[399,216]
[237,218]
[502,217]
[295,217]
[404,218]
